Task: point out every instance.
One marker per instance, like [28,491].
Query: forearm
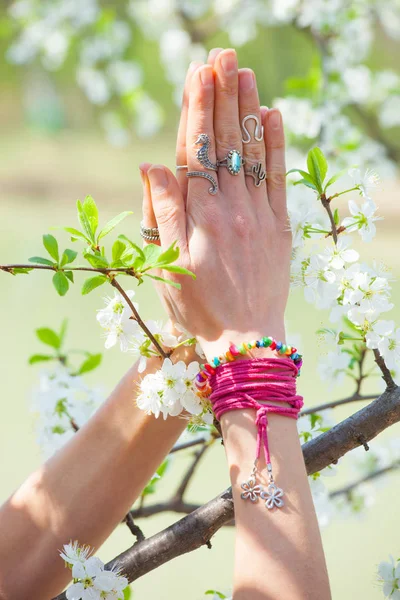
[278,553]
[82,492]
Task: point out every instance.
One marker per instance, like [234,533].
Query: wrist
[220,345]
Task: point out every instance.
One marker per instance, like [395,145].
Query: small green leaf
[63,330]
[128,593]
[317,166]
[173,283]
[215,593]
[304,174]
[49,337]
[90,363]
[69,275]
[51,245]
[113,223]
[334,178]
[168,256]
[117,250]
[77,234]
[84,221]
[41,261]
[152,253]
[92,283]
[177,269]
[133,245]
[20,271]
[90,208]
[35,358]
[68,257]
[60,282]
[96,260]
[336,217]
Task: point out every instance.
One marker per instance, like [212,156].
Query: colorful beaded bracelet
[208,369]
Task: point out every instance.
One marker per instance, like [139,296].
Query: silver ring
[151,234]
[258,131]
[181,167]
[214,185]
[233,162]
[257,173]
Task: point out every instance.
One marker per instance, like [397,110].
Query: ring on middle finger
[233,162]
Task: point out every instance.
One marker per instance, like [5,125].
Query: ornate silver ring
[233,162]
[150,234]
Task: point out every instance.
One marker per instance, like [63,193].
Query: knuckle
[228,88]
[228,140]
[241,225]
[253,153]
[277,179]
[165,212]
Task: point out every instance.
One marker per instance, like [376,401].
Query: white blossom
[339,254]
[319,282]
[332,367]
[362,219]
[389,575]
[389,348]
[377,331]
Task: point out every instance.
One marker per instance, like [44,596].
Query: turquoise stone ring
[233,162]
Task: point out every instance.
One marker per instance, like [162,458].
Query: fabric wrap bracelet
[242,385]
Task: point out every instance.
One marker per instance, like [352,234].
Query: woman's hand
[237,241]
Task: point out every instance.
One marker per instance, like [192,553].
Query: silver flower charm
[273,496]
[252,491]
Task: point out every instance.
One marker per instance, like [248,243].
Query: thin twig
[346,490]
[354,398]
[326,205]
[134,529]
[198,455]
[386,374]
[162,352]
[186,445]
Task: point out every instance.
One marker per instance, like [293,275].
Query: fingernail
[246,80]
[206,76]
[143,168]
[274,119]
[193,66]
[214,53]
[229,62]
[158,178]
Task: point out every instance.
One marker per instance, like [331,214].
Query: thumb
[168,206]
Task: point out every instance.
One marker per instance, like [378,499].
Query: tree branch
[180,492]
[126,270]
[134,529]
[371,476]
[354,398]
[162,352]
[197,528]
[386,374]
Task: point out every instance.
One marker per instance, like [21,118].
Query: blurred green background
[52,155]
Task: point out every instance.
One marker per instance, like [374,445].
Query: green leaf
[306,183]
[90,209]
[69,275]
[336,217]
[335,178]
[128,593]
[35,358]
[92,283]
[90,363]
[168,256]
[51,245]
[117,250]
[76,233]
[63,330]
[84,221]
[152,253]
[60,282]
[133,245]
[20,271]
[177,269]
[113,223]
[49,337]
[317,166]
[304,174]
[96,260]
[68,257]
[41,261]
[173,283]
[215,593]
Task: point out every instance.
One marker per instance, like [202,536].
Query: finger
[169,207]
[200,134]
[181,154]
[212,55]
[275,158]
[226,113]
[264,110]
[149,218]
[252,132]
